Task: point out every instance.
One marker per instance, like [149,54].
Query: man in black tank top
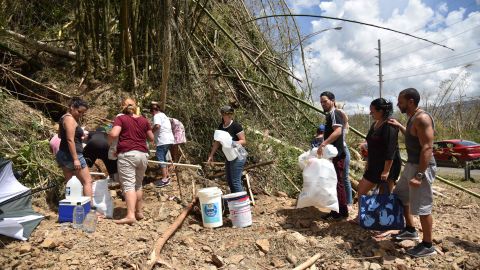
[415,185]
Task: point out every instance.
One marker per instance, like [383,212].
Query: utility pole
[380,75]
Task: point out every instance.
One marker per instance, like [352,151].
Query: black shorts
[374,172]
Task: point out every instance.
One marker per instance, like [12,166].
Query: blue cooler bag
[381,212]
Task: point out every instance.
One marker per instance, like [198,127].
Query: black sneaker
[421,251]
[405,235]
[161,183]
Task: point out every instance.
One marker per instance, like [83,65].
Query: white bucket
[240,213]
[211,206]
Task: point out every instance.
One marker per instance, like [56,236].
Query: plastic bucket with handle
[211,206]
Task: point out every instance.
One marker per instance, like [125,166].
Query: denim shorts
[161,153]
[64,159]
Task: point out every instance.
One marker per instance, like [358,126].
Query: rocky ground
[280,238]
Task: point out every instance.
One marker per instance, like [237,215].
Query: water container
[230,153]
[73,188]
[241,152]
[90,222]
[240,213]
[78,216]
[211,206]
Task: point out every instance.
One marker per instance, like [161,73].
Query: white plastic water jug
[73,188]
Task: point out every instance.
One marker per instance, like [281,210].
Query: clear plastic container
[240,150]
[90,222]
[78,216]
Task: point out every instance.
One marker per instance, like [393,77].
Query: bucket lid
[235,195]
[210,191]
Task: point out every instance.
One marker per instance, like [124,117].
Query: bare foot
[139,216]
[128,221]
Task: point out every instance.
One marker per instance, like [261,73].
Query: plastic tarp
[17,218]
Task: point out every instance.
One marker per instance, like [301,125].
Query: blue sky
[344,61]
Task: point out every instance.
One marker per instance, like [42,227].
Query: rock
[93,261]
[277,263]
[63,257]
[195,227]
[282,194]
[387,245]
[141,239]
[25,248]
[312,240]
[296,238]
[174,213]
[304,223]
[114,253]
[206,249]
[406,244]
[187,242]
[292,258]
[388,260]
[49,243]
[375,266]
[437,240]
[68,245]
[366,265]
[162,215]
[402,267]
[264,245]
[217,260]
[74,262]
[235,259]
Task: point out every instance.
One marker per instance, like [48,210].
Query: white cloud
[443,7]
[344,61]
[298,6]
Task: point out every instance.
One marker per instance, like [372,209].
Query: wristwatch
[419,176]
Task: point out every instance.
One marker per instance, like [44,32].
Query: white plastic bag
[102,198]
[225,140]
[319,180]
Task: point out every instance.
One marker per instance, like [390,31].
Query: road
[457,172]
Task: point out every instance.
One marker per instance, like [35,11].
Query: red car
[455,151]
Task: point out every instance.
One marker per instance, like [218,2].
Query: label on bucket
[211,212]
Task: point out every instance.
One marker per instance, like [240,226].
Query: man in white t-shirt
[162,129]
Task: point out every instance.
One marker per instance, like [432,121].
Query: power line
[436,61]
[362,62]
[432,33]
[468,64]
[428,46]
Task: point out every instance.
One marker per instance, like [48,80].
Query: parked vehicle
[455,152]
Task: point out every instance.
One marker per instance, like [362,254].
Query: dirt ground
[280,237]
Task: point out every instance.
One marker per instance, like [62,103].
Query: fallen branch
[290,180]
[35,82]
[155,254]
[308,262]
[249,167]
[40,46]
